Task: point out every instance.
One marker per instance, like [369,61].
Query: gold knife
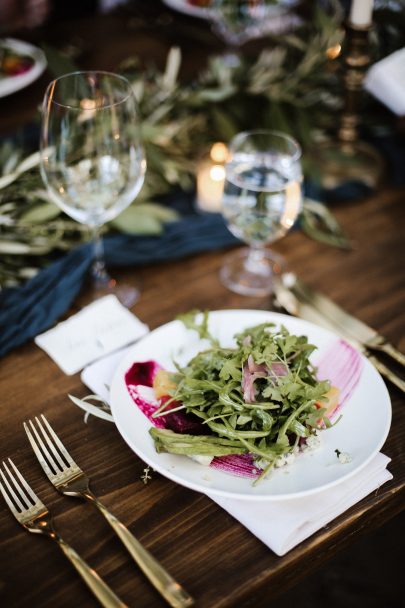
[299,307]
[350,325]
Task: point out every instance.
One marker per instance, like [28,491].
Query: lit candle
[211,179]
[361,13]
[210,186]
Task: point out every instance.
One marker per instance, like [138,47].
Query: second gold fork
[69,479]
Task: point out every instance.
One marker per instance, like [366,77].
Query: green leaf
[320,224]
[58,63]
[17,248]
[134,223]
[159,212]
[225,126]
[191,321]
[38,214]
[230,370]
[144,218]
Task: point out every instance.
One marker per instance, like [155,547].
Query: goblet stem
[103,284]
[256,261]
[250,271]
[99,273]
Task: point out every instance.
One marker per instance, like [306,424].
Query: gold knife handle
[101,590]
[388,349]
[175,595]
[386,372]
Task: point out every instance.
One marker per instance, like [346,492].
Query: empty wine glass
[262,199]
[92,160]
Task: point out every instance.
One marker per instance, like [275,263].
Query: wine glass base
[126,294]
[242,276]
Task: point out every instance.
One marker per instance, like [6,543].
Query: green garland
[291,86]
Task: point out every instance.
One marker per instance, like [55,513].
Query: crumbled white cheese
[344,457]
[312,443]
[289,458]
[260,463]
[284,460]
[202,459]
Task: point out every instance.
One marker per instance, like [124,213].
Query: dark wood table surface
[219,562]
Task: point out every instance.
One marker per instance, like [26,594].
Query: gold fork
[33,515]
[69,479]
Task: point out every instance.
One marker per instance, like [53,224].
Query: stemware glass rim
[285,136]
[125,80]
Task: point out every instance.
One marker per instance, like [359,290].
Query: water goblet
[262,199]
[92,160]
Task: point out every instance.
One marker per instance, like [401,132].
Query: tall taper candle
[361,13]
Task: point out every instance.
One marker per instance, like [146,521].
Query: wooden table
[219,562]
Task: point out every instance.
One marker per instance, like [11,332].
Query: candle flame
[219,153]
[333,52]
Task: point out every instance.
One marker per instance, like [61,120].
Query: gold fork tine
[18,488]
[30,491]
[36,518]
[38,452]
[50,445]
[56,439]
[13,494]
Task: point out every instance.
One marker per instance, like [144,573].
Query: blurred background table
[218,560]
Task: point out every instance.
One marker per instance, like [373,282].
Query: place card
[99,329]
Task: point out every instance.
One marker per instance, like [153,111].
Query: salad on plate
[13,63]
[254,406]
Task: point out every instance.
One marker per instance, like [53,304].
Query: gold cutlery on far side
[70,480]
[33,515]
[301,301]
[367,336]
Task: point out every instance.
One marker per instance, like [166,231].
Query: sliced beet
[142,373]
[187,424]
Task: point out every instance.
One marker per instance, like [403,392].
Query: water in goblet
[262,199]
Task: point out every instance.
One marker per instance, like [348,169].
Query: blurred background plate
[11,84]
[184,6]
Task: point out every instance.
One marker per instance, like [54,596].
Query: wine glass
[262,199]
[92,160]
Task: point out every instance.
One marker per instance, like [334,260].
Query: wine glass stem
[256,261]
[98,269]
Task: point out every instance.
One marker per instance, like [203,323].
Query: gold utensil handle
[391,351]
[387,373]
[173,592]
[101,590]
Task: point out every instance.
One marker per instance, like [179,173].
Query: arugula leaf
[190,321]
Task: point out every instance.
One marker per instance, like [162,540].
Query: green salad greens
[260,397]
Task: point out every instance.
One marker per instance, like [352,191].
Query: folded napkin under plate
[280,524]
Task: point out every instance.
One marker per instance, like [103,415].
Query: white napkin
[280,524]
[283,524]
[386,81]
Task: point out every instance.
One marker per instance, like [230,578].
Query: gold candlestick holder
[348,158]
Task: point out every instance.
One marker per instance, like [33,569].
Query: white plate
[184,7]
[11,84]
[361,431]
